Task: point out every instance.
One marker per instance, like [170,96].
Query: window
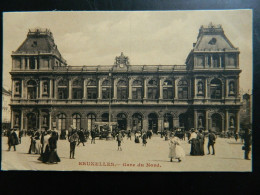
[167,89]
[31,87]
[17,87]
[61,122]
[77,89]
[215,89]
[183,89]
[105,117]
[137,90]
[32,63]
[45,88]
[91,90]
[91,121]
[63,89]
[231,88]
[106,89]
[215,61]
[76,121]
[122,90]
[153,92]
[200,88]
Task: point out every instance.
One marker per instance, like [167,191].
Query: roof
[212,38]
[39,41]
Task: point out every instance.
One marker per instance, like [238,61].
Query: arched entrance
[91,121]
[153,122]
[216,122]
[121,121]
[183,121]
[61,122]
[137,121]
[168,121]
[31,118]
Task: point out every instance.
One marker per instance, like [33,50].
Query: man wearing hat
[73,140]
[13,139]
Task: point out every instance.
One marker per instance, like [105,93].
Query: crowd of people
[44,142]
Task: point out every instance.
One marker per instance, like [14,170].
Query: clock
[121,65]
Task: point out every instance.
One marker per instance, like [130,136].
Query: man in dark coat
[212,140]
[81,137]
[93,135]
[247,144]
[13,139]
[73,140]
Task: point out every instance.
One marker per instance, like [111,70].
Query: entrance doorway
[168,121]
[153,122]
[31,118]
[137,122]
[183,121]
[216,122]
[122,121]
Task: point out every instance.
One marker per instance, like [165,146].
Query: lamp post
[109,136]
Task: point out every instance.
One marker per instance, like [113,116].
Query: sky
[146,37]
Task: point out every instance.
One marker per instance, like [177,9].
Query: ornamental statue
[121,60]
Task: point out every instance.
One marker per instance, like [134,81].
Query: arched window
[77,89]
[183,89]
[31,89]
[63,89]
[61,122]
[153,92]
[76,121]
[91,121]
[153,122]
[215,89]
[167,89]
[92,89]
[105,117]
[137,90]
[122,90]
[122,121]
[106,90]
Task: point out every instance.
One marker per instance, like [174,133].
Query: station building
[202,93]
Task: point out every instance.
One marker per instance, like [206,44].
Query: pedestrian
[195,144]
[93,135]
[119,139]
[137,136]
[81,137]
[175,150]
[50,155]
[144,139]
[32,148]
[211,142]
[12,139]
[247,144]
[37,138]
[73,140]
[201,139]
[45,145]
[236,136]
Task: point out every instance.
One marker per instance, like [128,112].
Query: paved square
[104,156]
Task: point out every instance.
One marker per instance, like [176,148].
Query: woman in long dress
[175,150]
[37,143]
[195,144]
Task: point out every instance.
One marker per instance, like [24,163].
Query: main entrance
[216,122]
[121,121]
[31,118]
[153,122]
[137,121]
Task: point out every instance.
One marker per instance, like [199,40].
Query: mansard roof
[212,38]
[39,41]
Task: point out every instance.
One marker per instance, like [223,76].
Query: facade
[246,112]
[6,111]
[203,93]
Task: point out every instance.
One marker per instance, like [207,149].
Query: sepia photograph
[135,91]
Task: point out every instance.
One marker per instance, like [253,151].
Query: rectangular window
[200,61]
[153,93]
[121,93]
[137,93]
[167,93]
[92,93]
[77,94]
[62,93]
[105,93]
[183,93]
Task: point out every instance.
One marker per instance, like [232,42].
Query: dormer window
[213,41]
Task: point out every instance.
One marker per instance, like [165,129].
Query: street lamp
[109,107]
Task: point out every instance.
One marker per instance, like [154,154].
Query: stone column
[222,91]
[40,88]
[50,121]
[176,89]
[220,61]
[21,127]
[130,88]
[28,63]
[206,88]
[55,89]
[160,123]
[37,89]
[99,88]
[25,89]
[161,88]
[227,121]
[195,87]
[205,61]
[145,122]
[195,119]
[115,88]
[36,63]
[70,89]
[85,89]
[12,119]
[22,89]
[13,89]
[22,63]
[237,122]
[51,89]
[226,88]
[145,88]
[206,120]
[175,121]
[211,61]
[40,119]
[237,88]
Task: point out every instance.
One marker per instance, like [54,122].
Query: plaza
[104,156]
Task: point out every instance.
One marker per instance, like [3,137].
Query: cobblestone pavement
[104,156]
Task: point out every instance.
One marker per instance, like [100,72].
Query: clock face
[121,65]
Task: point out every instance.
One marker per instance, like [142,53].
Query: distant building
[246,112]
[6,110]
[203,93]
